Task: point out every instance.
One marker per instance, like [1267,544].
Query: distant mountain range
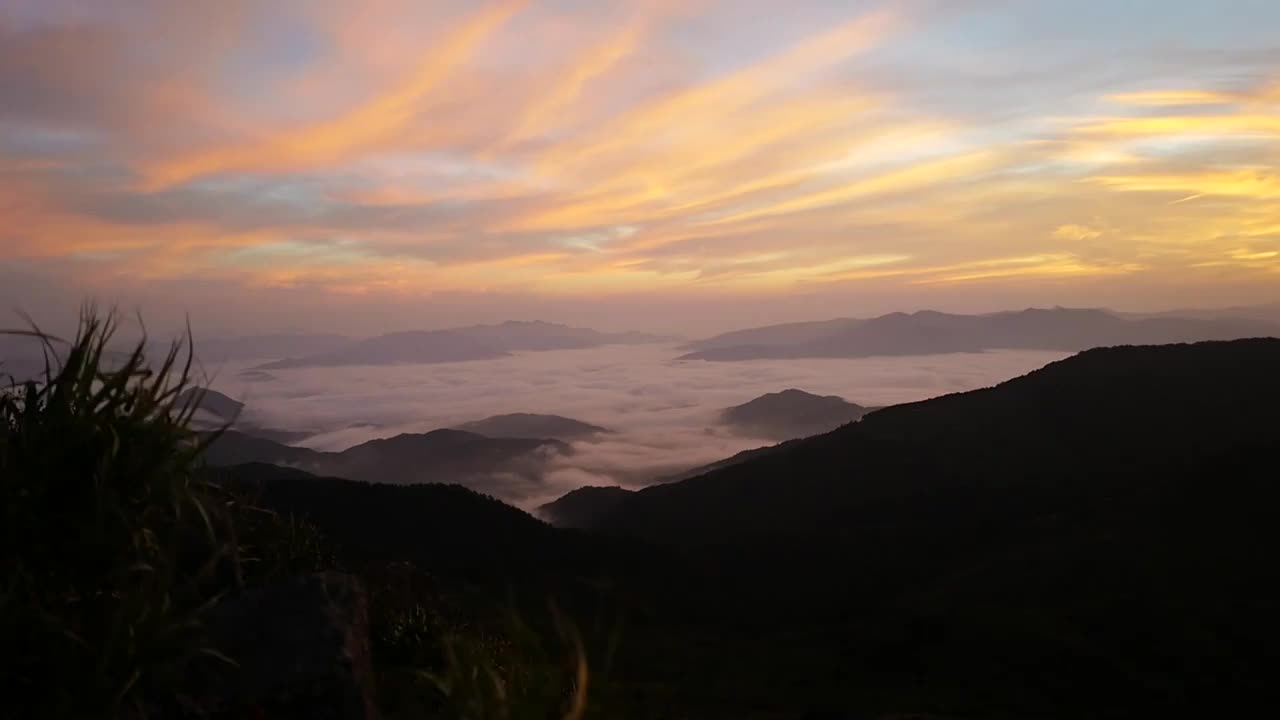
[929,333]
[478,342]
[509,467]
[785,335]
[791,414]
[526,425]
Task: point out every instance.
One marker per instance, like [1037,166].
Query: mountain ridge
[582,508]
[791,414]
[508,466]
[517,425]
[928,332]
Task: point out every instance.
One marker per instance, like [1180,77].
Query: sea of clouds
[663,411]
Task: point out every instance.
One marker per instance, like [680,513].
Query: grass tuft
[112,550]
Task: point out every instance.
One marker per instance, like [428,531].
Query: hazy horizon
[62,320]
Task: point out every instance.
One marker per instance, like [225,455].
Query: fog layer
[663,412]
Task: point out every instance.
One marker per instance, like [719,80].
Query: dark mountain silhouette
[447,530]
[791,414]
[446,456]
[233,447]
[583,507]
[375,521]
[210,401]
[477,342]
[928,332]
[509,467]
[1071,427]
[1075,539]
[526,425]
[586,507]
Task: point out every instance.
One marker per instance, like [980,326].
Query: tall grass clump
[111,548]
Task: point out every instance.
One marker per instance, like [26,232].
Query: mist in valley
[662,413]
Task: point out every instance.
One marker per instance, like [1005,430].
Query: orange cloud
[1212,125]
[702,104]
[375,122]
[1160,98]
[900,180]
[546,113]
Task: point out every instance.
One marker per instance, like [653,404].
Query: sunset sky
[686,165]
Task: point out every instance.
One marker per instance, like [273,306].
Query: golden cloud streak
[1256,184]
[1163,98]
[375,122]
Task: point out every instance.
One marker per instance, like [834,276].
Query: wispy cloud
[634,148]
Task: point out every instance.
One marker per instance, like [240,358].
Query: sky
[684,165]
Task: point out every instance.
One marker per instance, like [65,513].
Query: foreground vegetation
[118,543]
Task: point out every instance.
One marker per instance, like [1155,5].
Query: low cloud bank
[663,412]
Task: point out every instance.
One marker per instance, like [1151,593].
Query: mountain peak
[791,413]
[531,425]
[210,401]
[581,508]
[794,393]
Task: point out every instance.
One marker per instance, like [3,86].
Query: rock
[302,647]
